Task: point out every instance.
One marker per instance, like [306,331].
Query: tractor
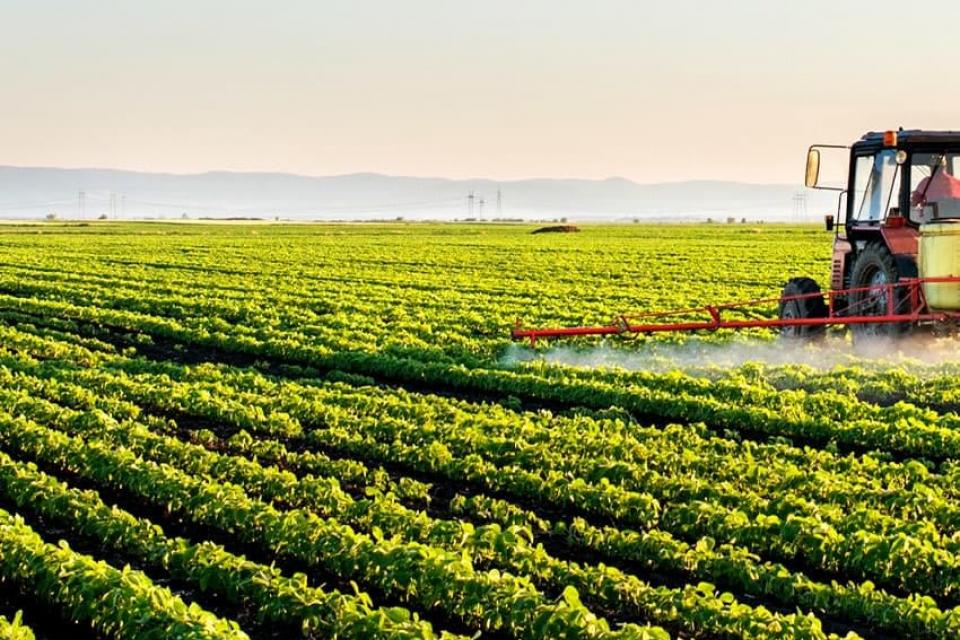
[899,236]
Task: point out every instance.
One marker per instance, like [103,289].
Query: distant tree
[103,216]
[51,217]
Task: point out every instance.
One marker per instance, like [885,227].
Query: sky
[649,91]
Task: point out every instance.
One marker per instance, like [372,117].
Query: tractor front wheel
[801,298]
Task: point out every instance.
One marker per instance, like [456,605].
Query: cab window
[876,185]
[934,186]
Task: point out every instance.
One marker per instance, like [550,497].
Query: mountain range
[36,192]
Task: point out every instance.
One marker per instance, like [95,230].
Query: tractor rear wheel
[793,307]
[873,269]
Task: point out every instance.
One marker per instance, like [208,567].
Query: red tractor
[898,241]
[896,255]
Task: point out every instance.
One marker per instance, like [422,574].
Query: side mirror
[828,221]
[813,168]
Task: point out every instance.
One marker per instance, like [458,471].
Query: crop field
[325,431]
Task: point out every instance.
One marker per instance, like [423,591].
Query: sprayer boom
[899,302]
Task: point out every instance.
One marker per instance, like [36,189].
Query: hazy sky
[505,89]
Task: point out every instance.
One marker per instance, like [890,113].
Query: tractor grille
[836,281]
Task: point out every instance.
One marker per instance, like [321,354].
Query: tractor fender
[903,243]
[901,240]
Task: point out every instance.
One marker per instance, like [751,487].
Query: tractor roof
[908,138]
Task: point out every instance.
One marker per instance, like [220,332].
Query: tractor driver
[939,186]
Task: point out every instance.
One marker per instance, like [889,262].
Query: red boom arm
[655,322]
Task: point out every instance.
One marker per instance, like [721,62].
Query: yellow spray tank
[939,256]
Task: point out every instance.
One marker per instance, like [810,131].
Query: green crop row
[819,419]
[506,549]
[427,575]
[119,603]
[276,598]
[288,490]
[690,509]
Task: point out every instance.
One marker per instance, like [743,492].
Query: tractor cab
[913,175]
[898,184]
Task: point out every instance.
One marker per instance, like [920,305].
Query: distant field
[427,286]
[325,431]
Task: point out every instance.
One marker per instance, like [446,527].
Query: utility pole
[113,205]
[470,204]
[499,204]
[82,204]
[800,205]
[123,205]
[480,208]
